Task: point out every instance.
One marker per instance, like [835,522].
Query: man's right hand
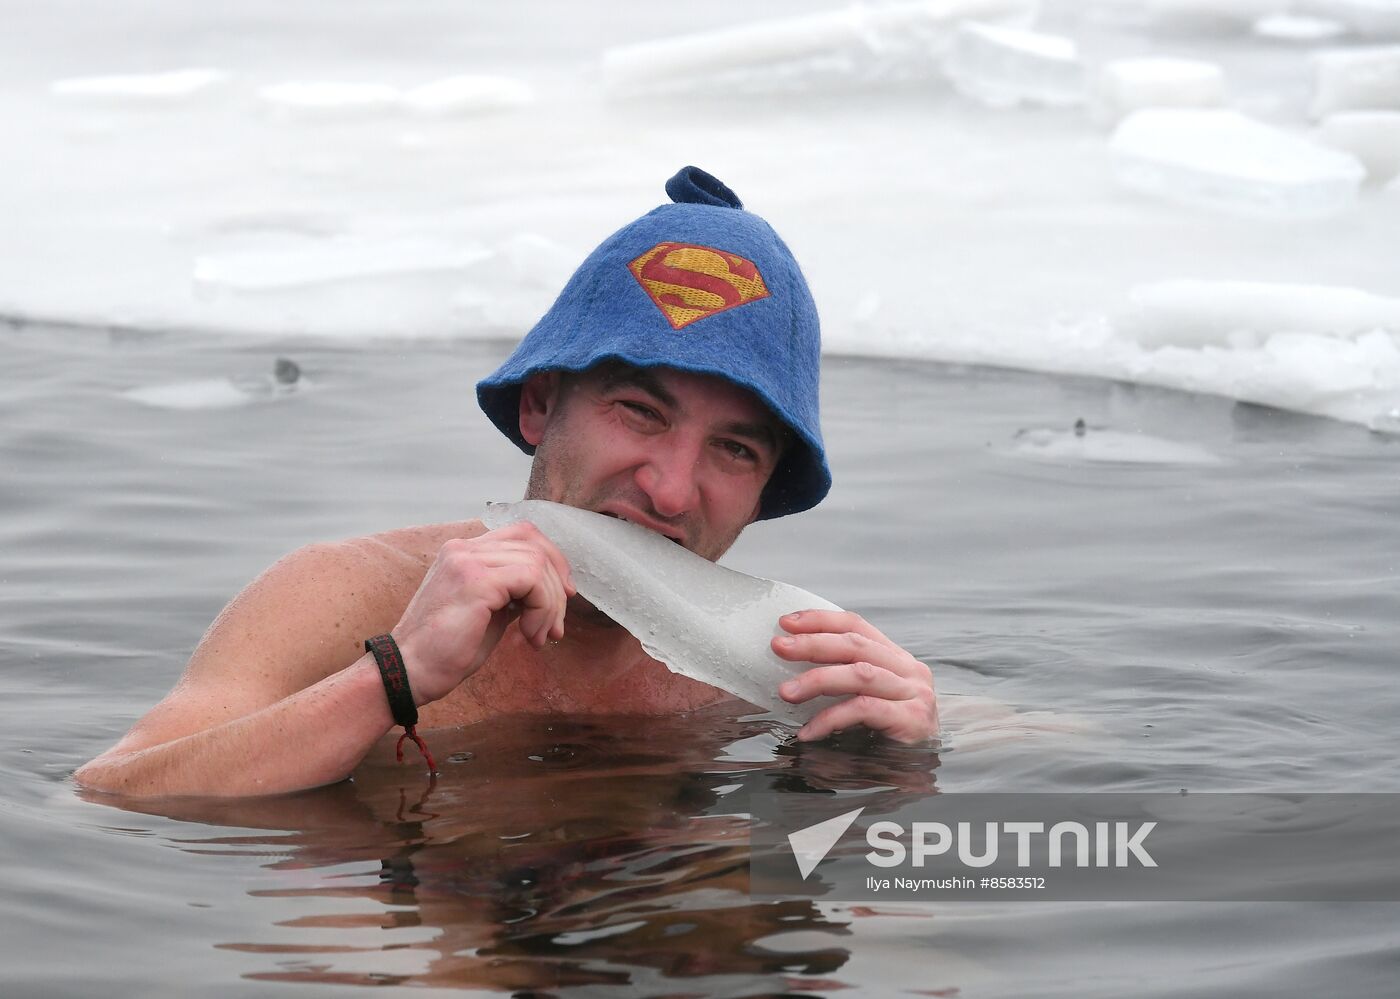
[473,590]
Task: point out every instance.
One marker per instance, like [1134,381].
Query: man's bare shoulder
[418,544]
[323,599]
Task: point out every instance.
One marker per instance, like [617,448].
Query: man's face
[683,454]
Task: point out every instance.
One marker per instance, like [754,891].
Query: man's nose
[670,478]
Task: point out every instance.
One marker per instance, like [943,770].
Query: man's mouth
[640,523]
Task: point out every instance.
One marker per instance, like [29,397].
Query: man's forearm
[313,737]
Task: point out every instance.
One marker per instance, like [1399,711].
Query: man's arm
[893,691]
[279,695]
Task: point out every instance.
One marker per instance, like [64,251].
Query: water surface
[1223,621]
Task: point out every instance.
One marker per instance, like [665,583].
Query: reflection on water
[554,854]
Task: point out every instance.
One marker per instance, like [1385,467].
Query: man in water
[673,384]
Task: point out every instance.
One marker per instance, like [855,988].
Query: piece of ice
[325,262]
[512,290]
[1286,27]
[1177,16]
[218,393]
[857,45]
[1241,313]
[1003,67]
[1098,446]
[204,393]
[1356,80]
[702,620]
[468,95]
[1127,85]
[1373,137]
[1217,158]
[329,97]
[1386,422]
[144,86]
[1367,18]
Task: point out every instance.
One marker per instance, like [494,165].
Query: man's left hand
[892,691]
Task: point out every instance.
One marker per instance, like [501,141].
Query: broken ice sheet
[702,620]
[1219,158]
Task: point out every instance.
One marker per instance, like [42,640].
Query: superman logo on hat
[689,282]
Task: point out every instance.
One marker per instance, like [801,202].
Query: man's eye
[638,408]
[741,451]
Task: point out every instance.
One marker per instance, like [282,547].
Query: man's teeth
[616,516]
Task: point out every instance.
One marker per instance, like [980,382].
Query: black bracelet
[391,670]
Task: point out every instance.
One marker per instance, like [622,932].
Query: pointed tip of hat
[693,186]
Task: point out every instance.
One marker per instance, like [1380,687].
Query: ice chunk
[1356,79]
[1373,137]
[1100,446]
[203,393]
[1298,28]
[1004,67]
[1386,422]
[854,46]
[325,262]
[514,288]
[1244,313]
[222,393]
[329,97]
[468,95]
[146,86]
[1221,159]
[1367,18]
[702,620]
[1127,85]
[1177,16]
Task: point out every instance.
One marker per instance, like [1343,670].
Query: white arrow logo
[811,845]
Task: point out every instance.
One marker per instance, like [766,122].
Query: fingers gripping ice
[702,620]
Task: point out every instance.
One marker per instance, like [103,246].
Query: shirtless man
[673,384]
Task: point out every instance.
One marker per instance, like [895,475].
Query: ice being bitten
[702,620]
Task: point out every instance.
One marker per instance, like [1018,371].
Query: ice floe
[1373,137]
[221,393]
[1366,18]
[1221,159]
[468,95]
[139,87]
[1004,66]
[1310,348]
[1194,313]
[856,45]
[329,96]
[1286,27]
[1082,444]
[1356,79]
[309,263]
[1178,16]
[1127,85]
[455,95]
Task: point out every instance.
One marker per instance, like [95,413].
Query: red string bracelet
[391,670]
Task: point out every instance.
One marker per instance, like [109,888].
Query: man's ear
[539,398]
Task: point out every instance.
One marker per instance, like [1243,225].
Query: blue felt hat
[700,285]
